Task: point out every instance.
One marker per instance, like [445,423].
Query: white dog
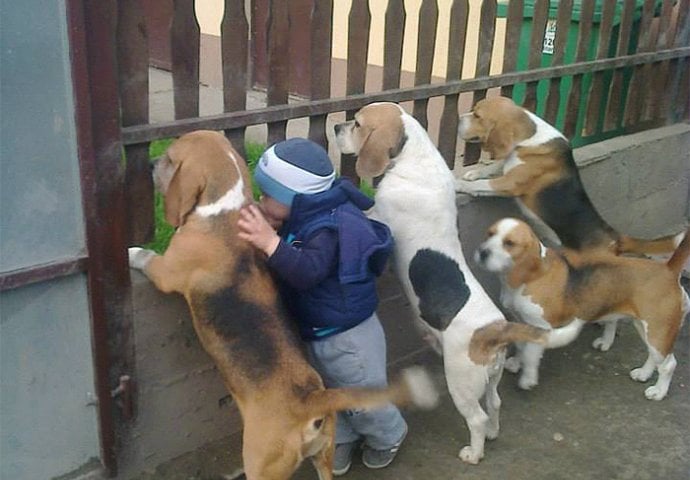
[416,198]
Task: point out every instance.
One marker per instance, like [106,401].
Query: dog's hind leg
[493,401]
[466,387]
[530,358]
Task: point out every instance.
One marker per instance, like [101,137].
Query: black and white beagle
[416,199]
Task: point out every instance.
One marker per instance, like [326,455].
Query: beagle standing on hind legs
[287,414]
[416,199]
[562,289]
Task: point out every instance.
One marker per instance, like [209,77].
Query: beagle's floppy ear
[183,194]
[380,145]
[500,141]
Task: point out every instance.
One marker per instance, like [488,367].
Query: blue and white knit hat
[294,166]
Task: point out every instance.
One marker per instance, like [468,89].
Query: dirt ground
[586,420]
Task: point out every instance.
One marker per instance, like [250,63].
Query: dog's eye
[356,124]
[508,243]
[317,423]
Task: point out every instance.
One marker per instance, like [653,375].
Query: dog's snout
[483,254]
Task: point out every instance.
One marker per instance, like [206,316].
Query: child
[326,255]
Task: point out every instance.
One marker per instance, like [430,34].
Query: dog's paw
[654,393]
[464,186]
[512,364]
[139,257]
[492,432]
[640,374]
[468,455]
[527,382]
[602,343]
[471,175]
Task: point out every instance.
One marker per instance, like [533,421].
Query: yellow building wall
[210,12]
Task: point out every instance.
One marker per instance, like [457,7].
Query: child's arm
[306,266]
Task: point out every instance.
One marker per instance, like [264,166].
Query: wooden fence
[629,71]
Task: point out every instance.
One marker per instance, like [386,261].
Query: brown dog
[535,165]
[561,289]
[287,414]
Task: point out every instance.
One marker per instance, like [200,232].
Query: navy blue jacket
[328,258]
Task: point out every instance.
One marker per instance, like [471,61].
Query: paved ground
[586,420]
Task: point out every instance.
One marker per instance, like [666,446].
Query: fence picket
[321,46]
[448,131]
[596,90]
[615,94]
[553,97]
[573,104]
[394,33]
[677,109]
[278,64]
[656,101]
[536,45]
[426,45]
[184,43]
[487,30]
[636,90]
[234,37]
[512,41]
[359,23]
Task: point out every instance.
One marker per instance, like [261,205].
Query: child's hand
[256,230]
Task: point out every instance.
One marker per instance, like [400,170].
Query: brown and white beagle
[564,289]
[288,415]
[534,164]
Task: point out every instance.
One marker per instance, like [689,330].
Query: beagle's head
[498,123]
[376,135]
[200,169]
[509,242]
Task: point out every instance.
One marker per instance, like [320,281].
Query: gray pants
[357,358]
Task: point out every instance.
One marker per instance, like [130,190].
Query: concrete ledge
[640,183]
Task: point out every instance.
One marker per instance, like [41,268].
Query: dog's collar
[377,180]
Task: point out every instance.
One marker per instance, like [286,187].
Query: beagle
[553,288]
[287,414]
[534,164]
[415,197]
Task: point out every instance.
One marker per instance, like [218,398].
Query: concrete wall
[181,403]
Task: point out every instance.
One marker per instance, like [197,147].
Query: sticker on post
[549,37]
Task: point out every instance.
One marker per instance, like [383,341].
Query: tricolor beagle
[553,288]
[416,199]
[534,163]
[287,414]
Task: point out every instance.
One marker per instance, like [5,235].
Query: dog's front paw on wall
[139,257]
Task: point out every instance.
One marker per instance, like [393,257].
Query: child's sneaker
[342,458]
[381,458]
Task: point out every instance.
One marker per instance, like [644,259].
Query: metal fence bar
[133,81]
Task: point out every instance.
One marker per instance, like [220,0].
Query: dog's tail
[561,336]
[681,254]
[661,245]
[415,387]
[488,340]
